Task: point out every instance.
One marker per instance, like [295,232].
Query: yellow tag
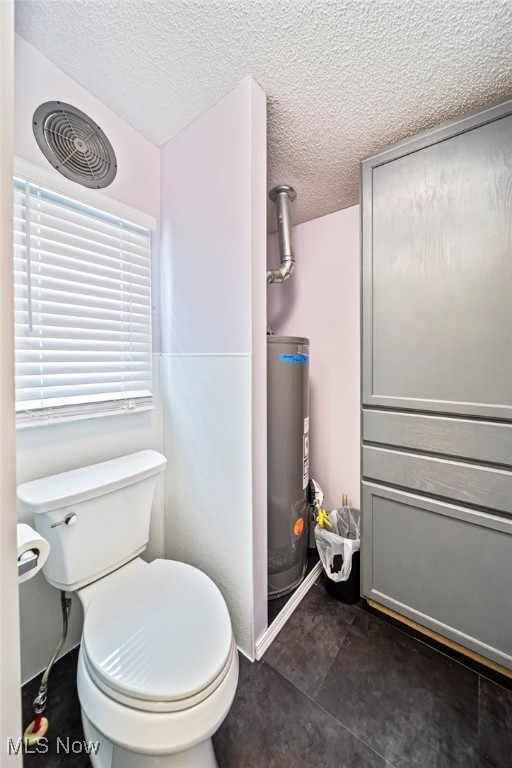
[321,518]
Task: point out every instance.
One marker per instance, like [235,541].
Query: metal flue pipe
[282,196]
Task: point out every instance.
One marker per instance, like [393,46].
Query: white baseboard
[273,630]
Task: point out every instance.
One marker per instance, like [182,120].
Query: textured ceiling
[343,77]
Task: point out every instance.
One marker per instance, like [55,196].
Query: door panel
[485,441]
[438,274]
[10,694]
[469,483]
[443,566]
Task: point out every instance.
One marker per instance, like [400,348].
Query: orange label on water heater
[298,527]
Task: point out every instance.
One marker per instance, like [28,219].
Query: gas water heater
[288,461]
[287,430]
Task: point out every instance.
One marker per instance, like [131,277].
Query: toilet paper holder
[27,561]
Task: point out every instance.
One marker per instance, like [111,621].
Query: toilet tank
[95,518]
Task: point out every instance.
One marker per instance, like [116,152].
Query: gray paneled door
[437,270]
[437,379]
[444,566]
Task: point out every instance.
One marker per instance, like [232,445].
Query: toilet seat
[160,706]
[151,733]
[157,637]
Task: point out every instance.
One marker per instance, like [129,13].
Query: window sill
[40,419]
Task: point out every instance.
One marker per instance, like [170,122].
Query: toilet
[158,664]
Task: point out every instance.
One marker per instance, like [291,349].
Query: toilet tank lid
[77,485]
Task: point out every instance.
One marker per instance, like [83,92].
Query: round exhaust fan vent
[74,144]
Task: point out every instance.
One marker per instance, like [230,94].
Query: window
[82,309]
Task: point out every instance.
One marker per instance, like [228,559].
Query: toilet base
[112,756]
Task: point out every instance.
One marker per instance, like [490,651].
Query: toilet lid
[161,634]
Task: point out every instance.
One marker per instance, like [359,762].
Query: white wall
[137,181]
[213,406]
[43,450]
[10,699]
[258,208]
[47,450]
[38,80]
[321,301]
[213,335]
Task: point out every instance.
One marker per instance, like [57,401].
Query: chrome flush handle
[70,519]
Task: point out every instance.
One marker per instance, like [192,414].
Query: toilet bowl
[158,664]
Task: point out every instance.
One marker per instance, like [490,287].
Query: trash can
[339,550]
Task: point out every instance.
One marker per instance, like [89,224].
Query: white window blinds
[82,309]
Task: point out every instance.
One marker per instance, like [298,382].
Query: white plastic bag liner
[344,538]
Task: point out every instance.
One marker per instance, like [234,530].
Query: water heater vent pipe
[282,196]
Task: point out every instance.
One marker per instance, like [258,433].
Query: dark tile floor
[342,688]
[338,688]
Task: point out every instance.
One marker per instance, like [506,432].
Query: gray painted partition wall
[437,379]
